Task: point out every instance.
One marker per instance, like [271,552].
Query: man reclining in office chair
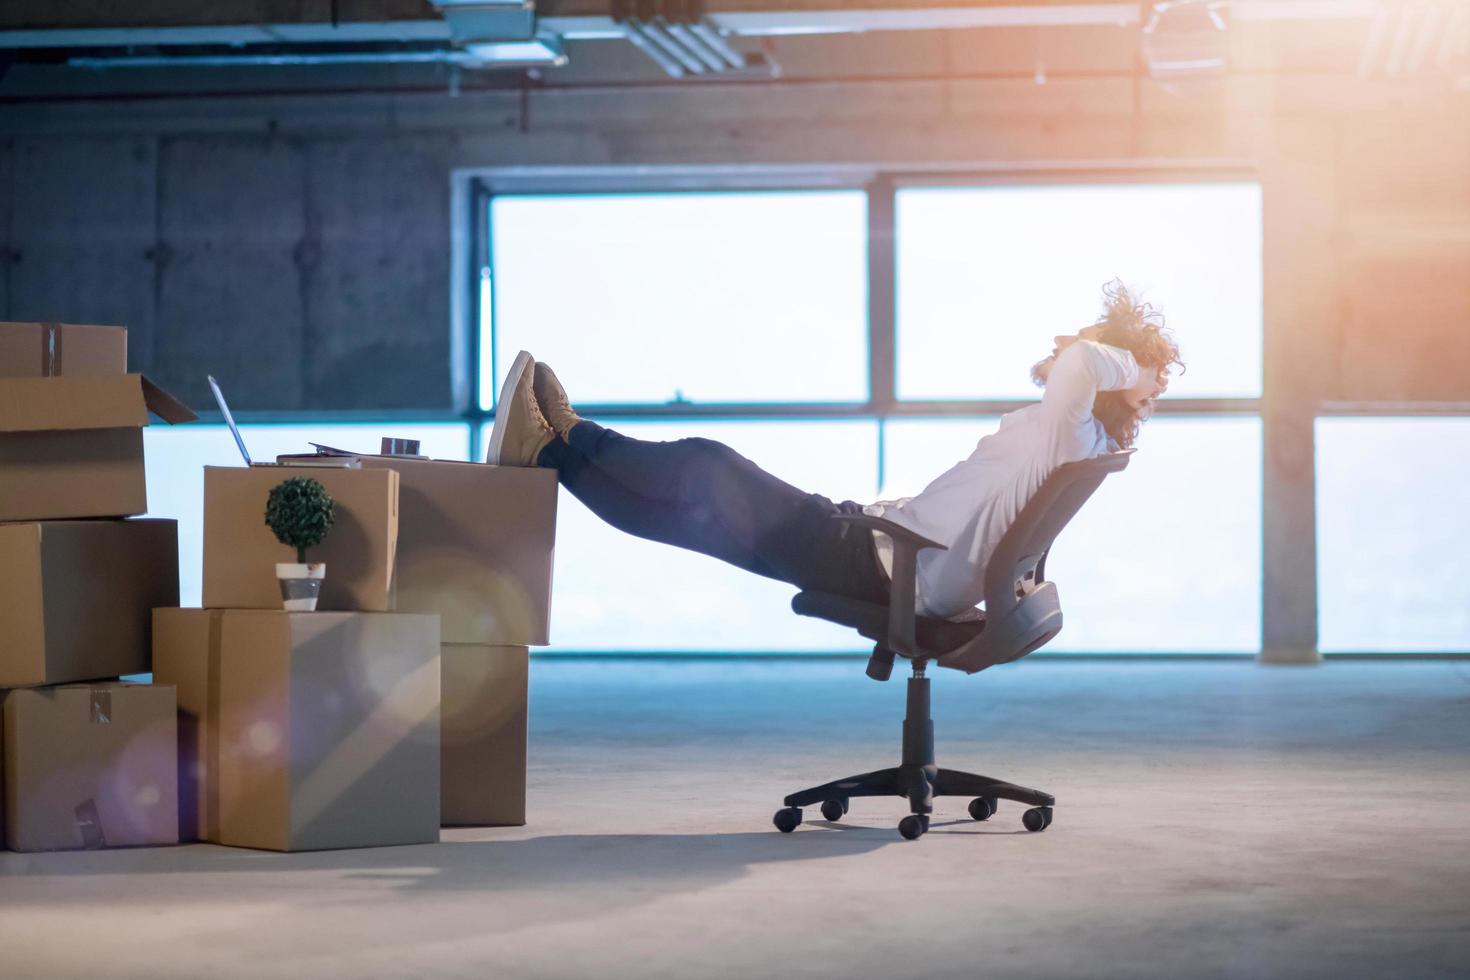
[1100,385]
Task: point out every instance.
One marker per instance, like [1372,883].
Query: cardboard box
[475,545]
[44,350]
[483,730]
[315,730]
[73,446]
[186,652]
[240,551]
[89,766]
[76,597]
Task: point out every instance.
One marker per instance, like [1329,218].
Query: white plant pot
[300,584]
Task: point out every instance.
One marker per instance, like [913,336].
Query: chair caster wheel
[981,808]
[1037,818]
[834,810]
[788,819]
[912,826]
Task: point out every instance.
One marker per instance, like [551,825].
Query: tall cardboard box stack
[88,760]
[303,730]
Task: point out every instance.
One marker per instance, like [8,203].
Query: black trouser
[702,495]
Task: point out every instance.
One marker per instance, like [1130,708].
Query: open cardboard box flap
[86,402]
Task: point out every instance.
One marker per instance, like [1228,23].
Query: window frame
[882,186]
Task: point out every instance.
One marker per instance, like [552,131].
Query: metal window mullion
[882,311]
[483,258]
[882,297]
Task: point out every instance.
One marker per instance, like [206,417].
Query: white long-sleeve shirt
[971,505]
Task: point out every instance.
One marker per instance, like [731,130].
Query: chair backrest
[1022,612]
[1018,564]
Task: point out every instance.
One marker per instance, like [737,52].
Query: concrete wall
[299,245]
[305,273]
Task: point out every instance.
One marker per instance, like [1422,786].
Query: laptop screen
[224,410]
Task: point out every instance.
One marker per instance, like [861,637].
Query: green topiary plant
[300,512]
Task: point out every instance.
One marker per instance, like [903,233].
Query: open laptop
[224,409]
[324,455]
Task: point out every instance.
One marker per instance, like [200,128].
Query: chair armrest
[904,580]
[895,531]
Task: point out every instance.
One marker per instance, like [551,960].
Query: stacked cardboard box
[88,760]
[475,546]
[303,730]
[287,730]
[468,544]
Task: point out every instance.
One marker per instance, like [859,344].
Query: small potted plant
[300,512]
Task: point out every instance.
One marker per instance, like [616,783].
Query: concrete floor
[1214,819]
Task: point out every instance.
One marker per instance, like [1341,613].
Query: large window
[679,314]
[1393,535]
[987,276]
[660,298]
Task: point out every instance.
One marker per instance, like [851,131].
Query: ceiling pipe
[443,57]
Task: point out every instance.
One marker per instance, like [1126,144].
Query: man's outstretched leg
[696,494]
[660,518]
[647,489]
[701,495]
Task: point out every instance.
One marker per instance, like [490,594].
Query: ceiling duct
[680,38]
[501,33]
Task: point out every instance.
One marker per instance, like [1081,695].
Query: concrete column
[1302,307]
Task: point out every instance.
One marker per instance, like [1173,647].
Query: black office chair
[1021,614]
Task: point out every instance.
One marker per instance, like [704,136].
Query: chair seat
[935,636]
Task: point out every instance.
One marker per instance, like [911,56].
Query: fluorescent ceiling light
[545,50]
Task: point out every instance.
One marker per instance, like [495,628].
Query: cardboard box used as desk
[89,766]
[44,350]
[72,446]
[483,730]
[240,551]
[77,597]
[304,731]
[475,547]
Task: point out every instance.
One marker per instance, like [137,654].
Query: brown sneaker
[520,431]
[552,398]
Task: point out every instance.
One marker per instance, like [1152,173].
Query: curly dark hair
[1139,329]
